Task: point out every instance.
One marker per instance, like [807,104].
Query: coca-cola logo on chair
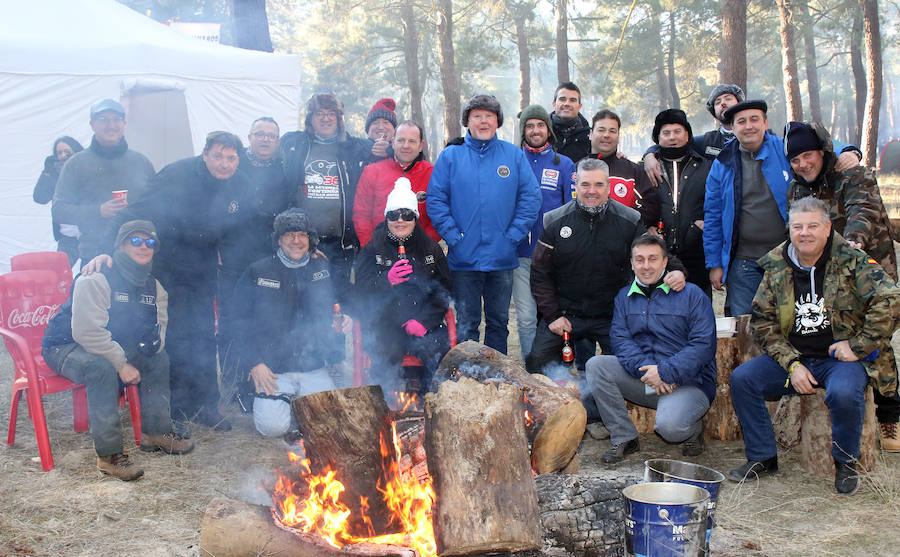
[38,317]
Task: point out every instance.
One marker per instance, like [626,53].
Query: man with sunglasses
[85,196]
[111,332]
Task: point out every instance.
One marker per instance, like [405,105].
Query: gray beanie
[535,112]
[482,102]
[295,220]
[134,226]
[720,90]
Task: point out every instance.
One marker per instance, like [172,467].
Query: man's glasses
[325,114]
[264,135]
[136,241]
[404,214]
[109,120]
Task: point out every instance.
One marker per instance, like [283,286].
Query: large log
[477,454]
[558,417]
[815,434]
[232,528]
[344,429]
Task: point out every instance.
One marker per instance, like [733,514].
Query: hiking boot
[292,437]
[213,420]
[753,469]
[597,431]
[890,437]
[694,445]
[120,466]
[617,452]
[170,443]
[846,480]
[182,428]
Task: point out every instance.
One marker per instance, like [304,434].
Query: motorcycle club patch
[549,177]
[565,232]
[503,171]
[268,283]
[122,297]
[319,275]
[429,260]
[233,207]
[148,300]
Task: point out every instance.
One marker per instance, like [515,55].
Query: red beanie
[383,108]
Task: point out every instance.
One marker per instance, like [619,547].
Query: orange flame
[405,402]
[321,512]
[532,414]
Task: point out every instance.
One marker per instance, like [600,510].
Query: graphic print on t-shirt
[321,180]
[811,315]
[622,190]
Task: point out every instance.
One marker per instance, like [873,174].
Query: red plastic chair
[28,299]
[55,261]
[362,363]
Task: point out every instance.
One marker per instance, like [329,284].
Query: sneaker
[292,437]
[890,437]
[212,419]
[753,469]
[617,452]
[120,466]
[169,443]
[694,445]
[846,480]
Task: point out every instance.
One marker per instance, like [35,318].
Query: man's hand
[129,374]
[855,245]
[715,277]
[803,381]
[111,208]
[675,280]
[845,160]
[95,264]
[560,325]
[379,148]
[653,169]
[651,377]
[699,224]
[346,324]
[841,351]
[263,379]
[318,255]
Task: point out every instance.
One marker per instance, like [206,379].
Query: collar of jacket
[636,289]
[478,144]
[571,127]
[409,167]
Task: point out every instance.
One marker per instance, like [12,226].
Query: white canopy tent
[57,58]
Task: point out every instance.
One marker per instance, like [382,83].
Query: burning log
[477,453]
[345,429]
[557,416]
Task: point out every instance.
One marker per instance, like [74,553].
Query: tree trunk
[656,32]
[812,73]
[562,41]
[673,88]
[251,25]
[449,81]
[815,434]
[485,497]
[411,57]
[733,67]
[345,430]
[794,108]
[859,74]
[874,80]
[524,60]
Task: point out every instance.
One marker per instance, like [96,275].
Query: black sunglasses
[404,214]
[137,241]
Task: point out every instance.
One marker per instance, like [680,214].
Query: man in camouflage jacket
[857,213]
[824,314]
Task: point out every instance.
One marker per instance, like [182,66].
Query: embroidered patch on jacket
[503,171]
[565,232]
[714,151]
[233,207]
[549,177]
[319,275]
[429,259]
[871,261]
[147,299]
[268,283]
[122,296]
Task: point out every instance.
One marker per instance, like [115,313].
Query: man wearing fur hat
[682,190]
[555,174]
[111,332]
[377,182]
[283,306]
[403,297]
[323,164]
[483,199]
[381,123]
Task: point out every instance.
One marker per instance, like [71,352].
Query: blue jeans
[526,309]
[495,289]
[741,283]
[762,377]
[272,415]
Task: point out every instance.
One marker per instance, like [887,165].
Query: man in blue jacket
[482,199]
[555,174]
[665,357]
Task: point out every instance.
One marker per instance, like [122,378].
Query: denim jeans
[272,415]
[741,283]
[526,309]
[470,288]
[678,413]
[762,377]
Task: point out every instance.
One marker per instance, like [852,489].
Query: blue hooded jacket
[557,183]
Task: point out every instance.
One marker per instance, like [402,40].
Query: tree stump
[477,454]
[557,416]
[344,429]
[786,420]
[815,434]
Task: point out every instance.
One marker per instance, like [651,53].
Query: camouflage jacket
[854,205]
[863,303]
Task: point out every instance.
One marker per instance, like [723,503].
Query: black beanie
[799,137]
[758,104]
[482,102]
[671,116]
[295,220]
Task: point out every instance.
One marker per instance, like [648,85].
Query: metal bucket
[665,470]
[665,519]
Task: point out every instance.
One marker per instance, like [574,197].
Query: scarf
[133,272]
[326,140]
[256,161]
[531,149]
[397,239]
[599,210]
[109,152]
[674,153]
[292,263]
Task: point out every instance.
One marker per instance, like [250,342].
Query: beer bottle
[338,319]
[567,353]
[401,253]
[660,227]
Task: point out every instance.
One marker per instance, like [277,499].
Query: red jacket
[376,183]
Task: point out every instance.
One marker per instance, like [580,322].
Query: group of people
[290,237]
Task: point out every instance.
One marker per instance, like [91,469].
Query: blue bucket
[665,519]
[665,470]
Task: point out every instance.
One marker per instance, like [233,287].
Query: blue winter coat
[482,199]
[675,331]
[557,183]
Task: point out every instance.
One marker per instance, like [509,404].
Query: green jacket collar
[635,289]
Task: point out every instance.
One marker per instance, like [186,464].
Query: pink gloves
[400,272]
[414,328]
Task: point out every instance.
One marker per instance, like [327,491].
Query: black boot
[846,480]
[753,469]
